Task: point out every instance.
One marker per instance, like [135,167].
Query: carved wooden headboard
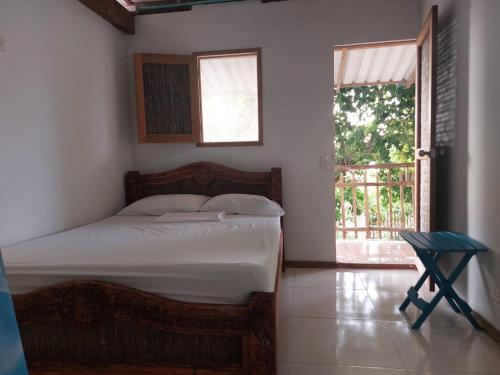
[204,178]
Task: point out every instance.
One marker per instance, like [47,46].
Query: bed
[141,312]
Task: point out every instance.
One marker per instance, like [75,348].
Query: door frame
[429,27]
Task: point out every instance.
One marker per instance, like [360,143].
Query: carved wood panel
[204,178]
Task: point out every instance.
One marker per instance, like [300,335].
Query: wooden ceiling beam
[162,2]
[392,43]
[180,2]
[360,84]
[410,74]
[411,80]
[342,68]
[168,6]
[123,19]
[112,12]
[140,11]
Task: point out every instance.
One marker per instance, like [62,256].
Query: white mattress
[217,262]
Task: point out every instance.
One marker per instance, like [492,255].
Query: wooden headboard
[204,178]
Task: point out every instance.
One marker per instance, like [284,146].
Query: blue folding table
[430,247]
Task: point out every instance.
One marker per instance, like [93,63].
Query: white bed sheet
[216,262]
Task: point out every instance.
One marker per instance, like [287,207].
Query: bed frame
[93,327]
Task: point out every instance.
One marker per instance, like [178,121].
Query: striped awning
[375,64]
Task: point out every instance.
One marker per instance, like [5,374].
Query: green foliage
[374,124]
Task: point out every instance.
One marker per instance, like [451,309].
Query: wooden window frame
[143,136]
[227,53]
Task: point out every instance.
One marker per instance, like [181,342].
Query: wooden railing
[374,201]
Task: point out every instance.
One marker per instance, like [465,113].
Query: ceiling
[121,13]
[165,6]
[375,63]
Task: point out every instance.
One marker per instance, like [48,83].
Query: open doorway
[374,114]
[385,119]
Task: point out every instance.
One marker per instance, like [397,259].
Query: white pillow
[157,205]
[246,204]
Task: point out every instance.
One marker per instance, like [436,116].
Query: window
[230,97]
[209,98]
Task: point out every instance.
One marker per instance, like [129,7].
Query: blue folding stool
[430,247]
[12,360]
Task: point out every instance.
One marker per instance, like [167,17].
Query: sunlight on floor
[375,252]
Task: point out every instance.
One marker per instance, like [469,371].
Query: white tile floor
[375,252]
[348,323]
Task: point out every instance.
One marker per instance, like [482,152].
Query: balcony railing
[374,201]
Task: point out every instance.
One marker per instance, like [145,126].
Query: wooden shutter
[167,98]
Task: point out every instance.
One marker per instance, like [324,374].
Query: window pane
[229,98]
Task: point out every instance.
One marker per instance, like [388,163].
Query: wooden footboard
[94,327]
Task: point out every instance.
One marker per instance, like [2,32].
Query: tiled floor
[348,323]
[374,252]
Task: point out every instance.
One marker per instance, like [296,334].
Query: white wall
[471,177]
[64,117]
[483,202]
[297,39]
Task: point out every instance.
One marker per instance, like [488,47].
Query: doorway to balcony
[374,115]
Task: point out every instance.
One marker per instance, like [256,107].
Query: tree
[374,124]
